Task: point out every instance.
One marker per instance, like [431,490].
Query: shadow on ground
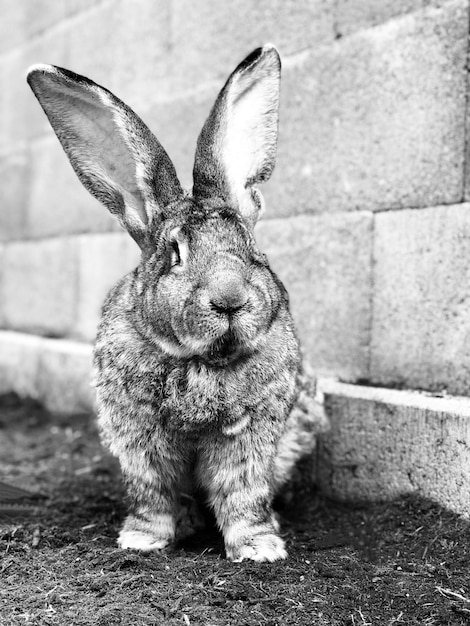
[402,562]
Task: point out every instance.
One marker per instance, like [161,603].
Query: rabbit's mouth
[224,350]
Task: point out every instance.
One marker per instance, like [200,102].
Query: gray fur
[198,370]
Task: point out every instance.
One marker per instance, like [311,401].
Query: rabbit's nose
[228,293]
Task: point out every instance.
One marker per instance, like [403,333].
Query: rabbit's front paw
[268,547]
[147,533]
[138,540]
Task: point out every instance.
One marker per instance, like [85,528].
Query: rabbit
[197,365]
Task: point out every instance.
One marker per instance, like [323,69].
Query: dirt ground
[404,562]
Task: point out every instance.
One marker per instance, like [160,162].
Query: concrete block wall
[367,211]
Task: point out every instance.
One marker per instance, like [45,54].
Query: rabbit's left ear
[237,145]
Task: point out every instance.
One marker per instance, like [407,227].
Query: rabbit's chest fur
[141,390]
[190,396]
[197,396]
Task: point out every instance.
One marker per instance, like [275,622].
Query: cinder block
[59,204]
[22,117]
[210,37]
[77,6]
[384,443]
[42,15]
[53,371]
[421,323]
[19,361]
[125,46]
[64,376]
[177,125]
[355,15]
[23,20]
[40,286]
[376,120]
[2,298]
[103,260]
[325,263]
[12,24]
[15,182]
[467,157]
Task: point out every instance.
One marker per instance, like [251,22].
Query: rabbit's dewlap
[198,372]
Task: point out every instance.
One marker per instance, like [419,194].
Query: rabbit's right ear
[112,151]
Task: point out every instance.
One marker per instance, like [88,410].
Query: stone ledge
[56,372]
[384,443]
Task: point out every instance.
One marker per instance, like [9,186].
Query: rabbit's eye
[175,258]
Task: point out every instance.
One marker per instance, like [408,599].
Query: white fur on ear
[237,146]
[249,143]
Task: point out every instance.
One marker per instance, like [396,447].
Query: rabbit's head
[203,287]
